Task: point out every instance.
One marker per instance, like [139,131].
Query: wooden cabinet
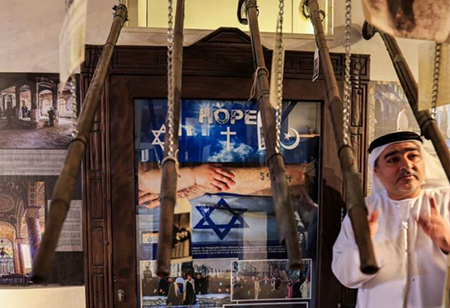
[220,66]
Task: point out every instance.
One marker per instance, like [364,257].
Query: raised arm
[346,262]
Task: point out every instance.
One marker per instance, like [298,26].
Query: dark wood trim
[96,199]
[123,215]
[218,67]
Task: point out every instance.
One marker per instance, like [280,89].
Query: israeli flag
[233,219]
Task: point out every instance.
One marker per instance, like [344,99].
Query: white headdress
[435,176]
[181,281]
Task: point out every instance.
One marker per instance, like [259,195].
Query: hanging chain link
[170,81]
[73,94]
[347,84]
[437,66]
[279,50]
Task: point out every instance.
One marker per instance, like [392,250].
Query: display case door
[219,67]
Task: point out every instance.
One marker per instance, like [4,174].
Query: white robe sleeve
[346,263]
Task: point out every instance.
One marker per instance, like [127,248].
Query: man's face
[401,170]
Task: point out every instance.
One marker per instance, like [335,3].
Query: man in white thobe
[409,224]
[402,119]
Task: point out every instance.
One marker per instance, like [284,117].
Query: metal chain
[170,102]
[279,50]
[437,66]
[73,94]
[347,84]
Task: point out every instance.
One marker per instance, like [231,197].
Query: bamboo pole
[169,166]
[356,207]
[66,183]
[283,207]
[427,124]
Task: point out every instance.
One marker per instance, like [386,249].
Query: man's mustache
[404,173]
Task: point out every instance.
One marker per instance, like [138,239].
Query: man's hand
[295,174]
[373,222]
[213,177]
[436,227]
[150,200]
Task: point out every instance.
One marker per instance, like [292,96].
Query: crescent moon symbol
[295,144]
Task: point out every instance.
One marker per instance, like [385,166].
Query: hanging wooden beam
[66,183]
[427,124]
[169,167]
[356,207]
[284,212]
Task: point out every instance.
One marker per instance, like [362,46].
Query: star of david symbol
[222,230]
[157,133]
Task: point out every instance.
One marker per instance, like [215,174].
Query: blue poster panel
[225,212]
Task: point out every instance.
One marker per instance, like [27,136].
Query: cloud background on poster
[238,152]
[189,130]
[203,138]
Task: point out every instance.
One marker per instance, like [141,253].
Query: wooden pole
[427,124]
[280,189]
[169,166]
[356,207]
[66,183]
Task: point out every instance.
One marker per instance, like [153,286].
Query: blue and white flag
[233,222]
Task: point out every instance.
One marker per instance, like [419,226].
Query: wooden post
[287,226]
[65,186]
[169,166]
[356,206]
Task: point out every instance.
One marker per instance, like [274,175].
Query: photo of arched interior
[22,221]
[34,112]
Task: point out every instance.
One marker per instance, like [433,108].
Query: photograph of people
[270,279]
[181,293]
[34,112]
[175,290]
[212,280]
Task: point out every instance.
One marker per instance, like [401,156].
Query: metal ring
[242,20]
[167,158]
[304,6]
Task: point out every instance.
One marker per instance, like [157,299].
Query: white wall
[30,30]
[67,297]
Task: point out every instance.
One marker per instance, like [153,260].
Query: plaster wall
[67,297]
[30,31]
